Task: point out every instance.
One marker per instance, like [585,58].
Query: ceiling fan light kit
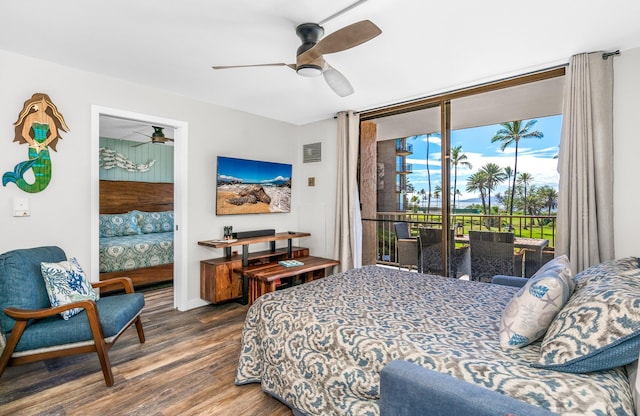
[157,137]
[308,70]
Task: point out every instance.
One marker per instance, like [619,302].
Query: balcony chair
[406,246]
[36,331]
[492,253]
[430,243]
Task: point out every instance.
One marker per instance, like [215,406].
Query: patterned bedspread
[320,346]
[135,251]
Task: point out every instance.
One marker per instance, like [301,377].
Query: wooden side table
[265,278]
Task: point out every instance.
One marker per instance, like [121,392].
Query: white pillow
[67,283]
[530,312]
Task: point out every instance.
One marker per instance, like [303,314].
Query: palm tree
[437,191]
[458,158]
[550,196]
[494,175]
[423,196]
[478,182]
[524,180]
[511,133]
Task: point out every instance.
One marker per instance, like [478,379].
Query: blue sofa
[407,389]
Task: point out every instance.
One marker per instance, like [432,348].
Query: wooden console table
[217,280]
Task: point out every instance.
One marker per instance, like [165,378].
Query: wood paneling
[143,276]
[123,196]
[186,367]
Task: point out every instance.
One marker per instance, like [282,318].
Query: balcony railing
[404,148]
[522,226]
[404,168]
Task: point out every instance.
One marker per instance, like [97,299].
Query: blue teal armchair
[33,330]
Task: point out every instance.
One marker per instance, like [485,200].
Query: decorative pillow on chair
[67,283]
[599,328]
[531,310]
[118,225]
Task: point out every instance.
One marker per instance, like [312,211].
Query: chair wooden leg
[140,330]
[98,339]
[16,333]
[105,364]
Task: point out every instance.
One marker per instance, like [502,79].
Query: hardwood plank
[186,367]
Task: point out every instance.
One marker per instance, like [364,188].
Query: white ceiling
[426,47]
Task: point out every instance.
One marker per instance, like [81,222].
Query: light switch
[21,207]
[311,181]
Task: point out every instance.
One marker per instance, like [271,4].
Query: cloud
[543,169]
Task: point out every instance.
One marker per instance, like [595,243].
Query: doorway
[180,136]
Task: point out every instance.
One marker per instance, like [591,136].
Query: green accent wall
[161,171]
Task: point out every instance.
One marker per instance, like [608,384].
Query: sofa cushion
[154,222]
[21,282]
[599,328]
[66,283]
[115,312]
[118,225]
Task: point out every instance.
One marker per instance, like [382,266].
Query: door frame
[180,154]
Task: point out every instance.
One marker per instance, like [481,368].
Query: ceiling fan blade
[142,134]
[292,66]
[136,145]
[348,37]
[338,82]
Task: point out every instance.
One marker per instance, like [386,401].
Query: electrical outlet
[311,181]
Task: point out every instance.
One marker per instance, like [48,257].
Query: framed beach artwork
[252,187]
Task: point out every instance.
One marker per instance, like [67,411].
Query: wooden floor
[185,367]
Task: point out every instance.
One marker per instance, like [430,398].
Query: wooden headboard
[117,197]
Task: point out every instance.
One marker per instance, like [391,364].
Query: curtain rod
[606,55]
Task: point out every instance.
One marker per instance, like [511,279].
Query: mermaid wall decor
[38,125]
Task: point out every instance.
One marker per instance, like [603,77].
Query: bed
[320,347]
[136,231]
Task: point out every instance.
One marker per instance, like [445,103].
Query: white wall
[626,120]
[61,214]
[316,204]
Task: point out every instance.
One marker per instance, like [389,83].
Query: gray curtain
[348,229]
[585,205]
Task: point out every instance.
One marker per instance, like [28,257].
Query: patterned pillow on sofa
[531,310]
[599,328]
[118,225]
[67,283]
[155,222]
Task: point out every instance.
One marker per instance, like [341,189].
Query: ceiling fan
[310,60]
[157,137]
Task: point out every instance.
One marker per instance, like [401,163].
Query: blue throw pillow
[599,328]
[67,283]
[118,225]
[154,222]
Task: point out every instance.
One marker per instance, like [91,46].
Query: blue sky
[252,171]
[535,156]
